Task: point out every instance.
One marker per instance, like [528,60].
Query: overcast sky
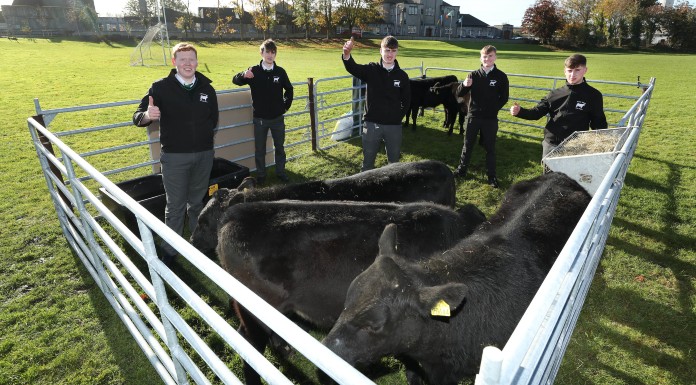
[492,12]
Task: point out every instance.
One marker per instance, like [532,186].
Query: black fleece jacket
[268,99]
[571,108]
[188,117]
[489,92]
[388,92]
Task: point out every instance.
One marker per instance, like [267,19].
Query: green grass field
[637,326]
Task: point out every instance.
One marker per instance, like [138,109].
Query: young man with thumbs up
[576,106]
[185,104]
[489,89]
[387,99]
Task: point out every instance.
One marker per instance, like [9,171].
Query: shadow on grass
[650,330]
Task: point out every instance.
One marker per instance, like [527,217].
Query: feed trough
[587,155]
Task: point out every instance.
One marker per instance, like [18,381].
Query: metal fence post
[357,97]
[312,112]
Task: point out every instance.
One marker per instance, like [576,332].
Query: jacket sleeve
[504,92]
[405,95]
[537,112]
[289,91]
[355,69]
[239,79]
[142,109]
[598,120]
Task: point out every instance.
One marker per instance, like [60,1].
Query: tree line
[612,23]
[307,15]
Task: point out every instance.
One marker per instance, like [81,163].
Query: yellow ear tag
[441,309]
[212,189]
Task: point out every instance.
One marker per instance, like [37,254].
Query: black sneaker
[460,172]
[493,182]
[283,178]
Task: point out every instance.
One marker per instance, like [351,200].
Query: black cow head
[389,307]
[205,235]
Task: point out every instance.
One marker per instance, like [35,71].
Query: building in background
[50,17]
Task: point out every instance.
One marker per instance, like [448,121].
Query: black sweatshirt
[188,117]
[489,92]
[388,92]
[268,99]
[571,108]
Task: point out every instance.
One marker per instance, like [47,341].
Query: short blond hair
[182,47]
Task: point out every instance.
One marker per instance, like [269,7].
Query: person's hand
[468,81]
[248,74]
[347,48]
[153,112]
[514,109]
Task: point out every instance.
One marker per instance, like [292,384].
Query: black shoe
[283,178]
[493,182]
[460,172]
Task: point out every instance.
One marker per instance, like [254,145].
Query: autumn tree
[543,19]
[186,22]
[304,15]
[145,16]
[679,23]
[357,12]
[325,16]
[578,15]
[238,6]
[264,16]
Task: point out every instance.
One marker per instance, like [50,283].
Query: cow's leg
[251,329]
[421,111]
[462,117]
[414,112]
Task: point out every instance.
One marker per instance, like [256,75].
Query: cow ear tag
[441,309]
[212,189]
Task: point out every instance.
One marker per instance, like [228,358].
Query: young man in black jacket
[489,89]
[577,106]
[186,106]
[387,99]
[271,94]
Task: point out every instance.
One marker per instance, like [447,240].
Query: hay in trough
[588,142]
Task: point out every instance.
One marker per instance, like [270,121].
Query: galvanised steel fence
[155,304]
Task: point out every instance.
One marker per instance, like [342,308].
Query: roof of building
[470,21]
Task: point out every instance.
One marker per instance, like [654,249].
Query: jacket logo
[580,105]
[204,98]
[397,83]
[493,82]
[276,79]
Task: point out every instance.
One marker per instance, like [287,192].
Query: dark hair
[390,42]
[575,61]
[269,46]
[488,49]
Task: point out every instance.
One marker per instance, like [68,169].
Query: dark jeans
[277,128]
[372,136]
[186,177]
[547,147]
[487,130]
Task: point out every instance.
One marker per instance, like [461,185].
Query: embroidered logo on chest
[492,82]
[580,105]
[276,79]
[204,98]
[397,83]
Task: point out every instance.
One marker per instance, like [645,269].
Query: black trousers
[487,131]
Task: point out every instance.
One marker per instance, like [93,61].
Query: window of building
[429,12]
[412,29]
[412,10]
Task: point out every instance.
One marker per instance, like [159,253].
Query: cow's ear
[247,183]
[387,241]
[442,300]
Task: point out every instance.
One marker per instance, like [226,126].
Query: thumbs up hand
[153,112]
[468,81]
[515,109]
[347,47]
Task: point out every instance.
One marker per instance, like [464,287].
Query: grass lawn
[637,326]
